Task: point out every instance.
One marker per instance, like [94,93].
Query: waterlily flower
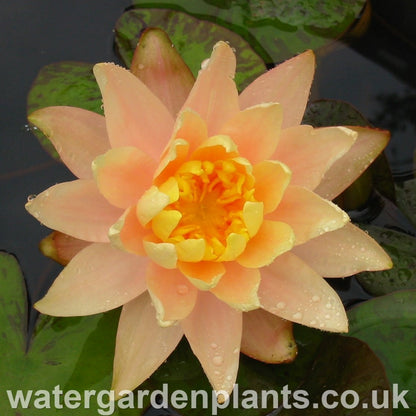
[204,212]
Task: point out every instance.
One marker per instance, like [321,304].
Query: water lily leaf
[356,367]
[339,373]
[71,353]
[401,248]
[276,29]
[192,37]
[339,113]
[388,325]
[63,83]
[406,199]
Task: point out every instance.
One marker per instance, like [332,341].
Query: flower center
[213,208]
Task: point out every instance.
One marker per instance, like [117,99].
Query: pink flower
[206,213]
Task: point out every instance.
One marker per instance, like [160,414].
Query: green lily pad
[276,29]
[406,199]
[324,113]
[356,367]
[193,38]
[63,83]
[388,325]
[63,354]
[401,248]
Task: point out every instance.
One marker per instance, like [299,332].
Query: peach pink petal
[134,115]
[267,338]
[369,144]
[173,295]
[343,252]
[238,287]
[308,214]
[287,84]
[214,96]
[204,275]
[142,345]
[127,233]
[75,208]
[290,289]
[213,330]
[259,124]
[272,239]
[310,152]
[97,279]
[191,128]
[61,247]
[123,174]
[267,191]
[78,135]
[157,63]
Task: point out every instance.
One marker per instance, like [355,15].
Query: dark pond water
[375,74]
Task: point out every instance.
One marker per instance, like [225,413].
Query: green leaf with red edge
[276,29]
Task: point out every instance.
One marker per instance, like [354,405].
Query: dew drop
[281,305]
[217,373]
[322,325]
[297,315]
[236,351]
[214,346]
[36,214]
[182,289]
[313,322]
[141,66]
[327,316]
[217,360]
[316,298]
[328,306]
[31,197]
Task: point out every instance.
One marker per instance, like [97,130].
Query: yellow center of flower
[213,212]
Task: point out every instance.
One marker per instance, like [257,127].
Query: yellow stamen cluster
[208,208]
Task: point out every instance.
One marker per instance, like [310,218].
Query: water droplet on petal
[218,360]
[281,305]
[328,306]
[236,350]
[316,298]
[214,346]
[182,289]
[31,197]
[141,66]
[297,315]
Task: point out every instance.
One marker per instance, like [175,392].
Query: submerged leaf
[401,248]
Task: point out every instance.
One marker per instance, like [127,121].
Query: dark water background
[376,74]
